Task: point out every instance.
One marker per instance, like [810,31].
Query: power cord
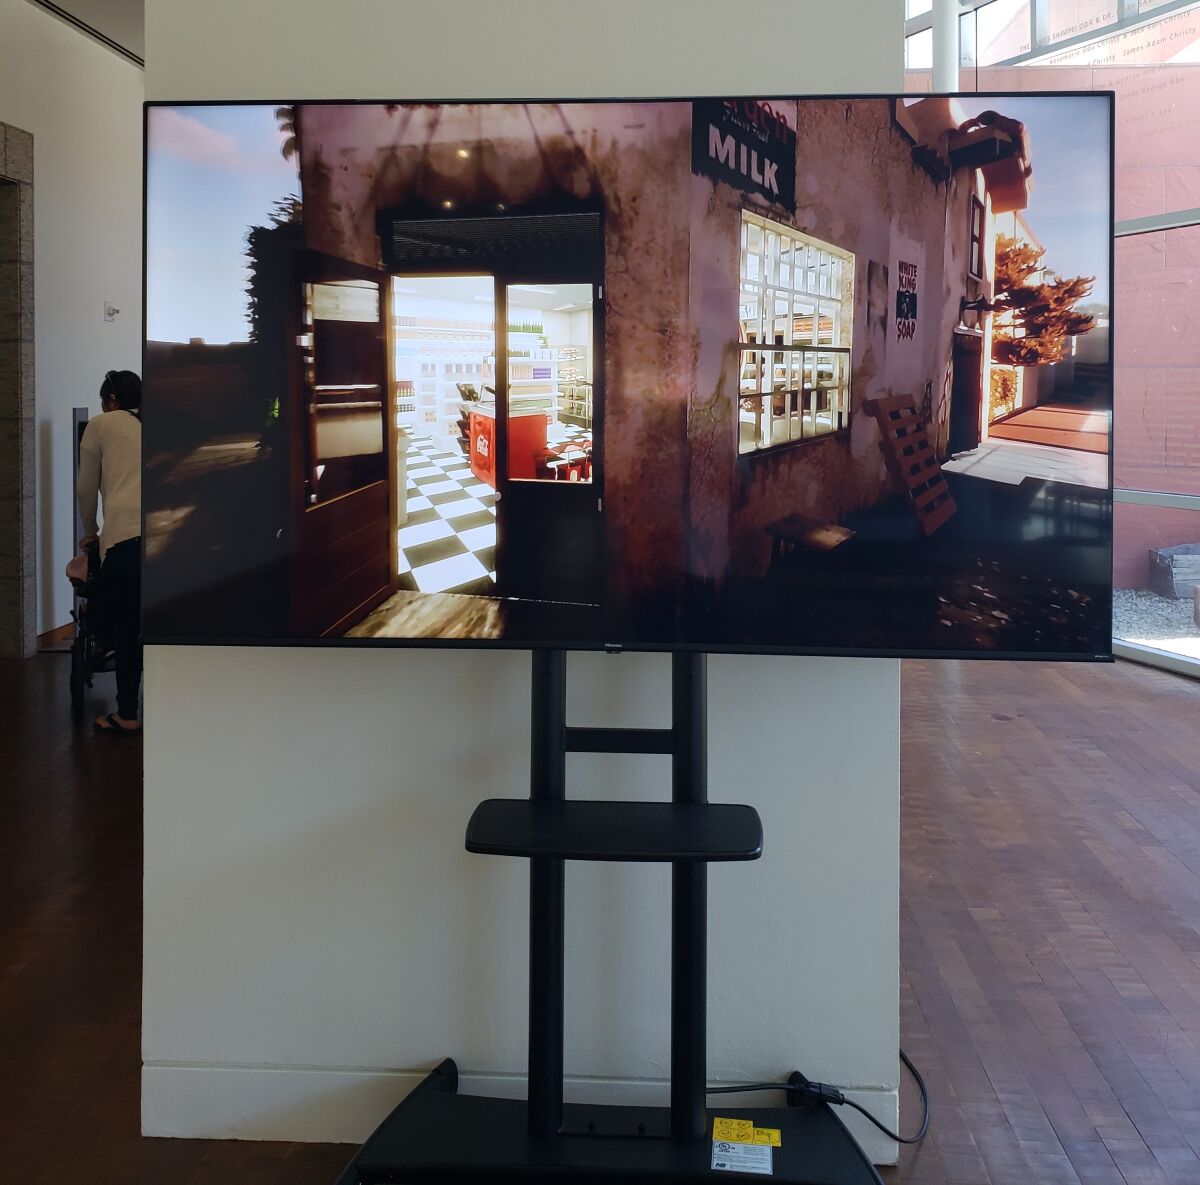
[798,1087]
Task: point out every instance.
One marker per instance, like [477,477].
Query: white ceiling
[120,21]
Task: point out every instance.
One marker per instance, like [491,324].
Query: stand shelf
[630,831]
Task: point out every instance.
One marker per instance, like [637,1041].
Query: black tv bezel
[374,643]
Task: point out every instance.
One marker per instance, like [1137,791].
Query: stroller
[90,651]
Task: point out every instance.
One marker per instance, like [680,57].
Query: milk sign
[747,144]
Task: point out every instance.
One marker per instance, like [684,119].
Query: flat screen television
[799,375]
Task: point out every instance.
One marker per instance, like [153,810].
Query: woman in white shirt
[110,469]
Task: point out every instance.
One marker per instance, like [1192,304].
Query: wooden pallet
[912,460]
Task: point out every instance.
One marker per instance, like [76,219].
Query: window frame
[1170,660]
[974,240]
[841,304]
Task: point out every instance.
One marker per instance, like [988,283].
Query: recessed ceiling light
[534,288]
[562,307]
[447,204]
[462,153]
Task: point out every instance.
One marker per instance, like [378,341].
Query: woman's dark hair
[125,387]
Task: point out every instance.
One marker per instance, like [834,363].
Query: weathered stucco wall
[358,160]
[858,189]
[678,497]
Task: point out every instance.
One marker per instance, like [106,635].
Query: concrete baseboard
[345,1106]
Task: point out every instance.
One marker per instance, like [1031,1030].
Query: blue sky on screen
[1069,206]
[212,172]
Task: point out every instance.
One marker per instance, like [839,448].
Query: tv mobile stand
[438,1135]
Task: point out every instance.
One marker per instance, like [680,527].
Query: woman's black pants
[121,585]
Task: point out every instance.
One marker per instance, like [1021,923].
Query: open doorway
[450,413]
[444,376]
[497,465]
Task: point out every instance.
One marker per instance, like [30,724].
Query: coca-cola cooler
[526,444]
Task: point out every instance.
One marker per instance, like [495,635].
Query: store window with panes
[796,307]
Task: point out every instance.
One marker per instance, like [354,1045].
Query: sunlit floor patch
[448,574]
[161,525]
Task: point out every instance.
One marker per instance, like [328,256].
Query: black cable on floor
[822,1092]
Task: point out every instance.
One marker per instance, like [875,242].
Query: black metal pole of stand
[689,903]
[689,906]
[548,768]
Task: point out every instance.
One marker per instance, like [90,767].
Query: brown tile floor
[1050,937]
[1050,922]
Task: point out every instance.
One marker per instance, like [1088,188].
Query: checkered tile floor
[448,543]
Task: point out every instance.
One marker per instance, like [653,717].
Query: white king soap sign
[747,144]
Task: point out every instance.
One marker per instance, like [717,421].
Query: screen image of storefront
[634,372]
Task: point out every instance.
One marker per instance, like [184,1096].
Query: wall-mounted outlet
[110,311]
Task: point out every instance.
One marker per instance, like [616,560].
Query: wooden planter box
[1175,571]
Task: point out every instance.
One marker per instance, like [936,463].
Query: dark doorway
[966,393]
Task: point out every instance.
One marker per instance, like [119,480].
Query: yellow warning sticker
[743,1131]
[767,1135]
[733,1129]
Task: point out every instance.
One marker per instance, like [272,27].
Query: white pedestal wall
[316,937]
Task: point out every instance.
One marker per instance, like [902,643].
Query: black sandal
[113,726]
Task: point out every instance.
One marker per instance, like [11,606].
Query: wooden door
[343,443]
[966,393]
[550,477]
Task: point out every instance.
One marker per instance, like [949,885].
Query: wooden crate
[911,459]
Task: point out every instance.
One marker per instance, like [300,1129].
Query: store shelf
[635,831]
[575,404]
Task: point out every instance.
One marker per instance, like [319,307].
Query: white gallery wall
[83,105]
[316,938]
